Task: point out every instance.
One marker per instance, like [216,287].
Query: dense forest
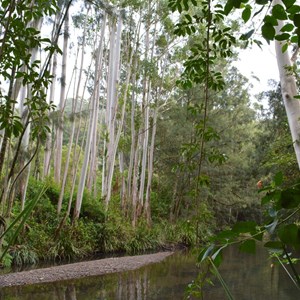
[125,127]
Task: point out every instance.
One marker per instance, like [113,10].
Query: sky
[260,63]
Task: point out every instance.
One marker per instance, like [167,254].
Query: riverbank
[81,269]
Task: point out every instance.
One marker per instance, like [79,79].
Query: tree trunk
[59,130]
[135,179]
[112,106]
[93,161]
[25,142]
[48,143]
[150,169]
[289,91]
[93,110]
[74,109]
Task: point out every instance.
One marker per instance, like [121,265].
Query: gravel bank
[81,269]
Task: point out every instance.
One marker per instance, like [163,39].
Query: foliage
[274,142]
[74,242]
[280,232]
[19,38]
[21,255]
[14,229]
[95,232]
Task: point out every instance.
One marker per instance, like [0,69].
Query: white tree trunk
[121,123]
[289,91]
[135,179]
[93,162]
[145,136]
[150,169]
[132,127]
[48,143]
[92,124]
[25,141]
[75,100]
[59,130]
[112,106]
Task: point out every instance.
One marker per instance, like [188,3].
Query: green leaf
[228,7]
[246,14]
[244,227]
[268,31]
[217,256]
[23,217]
[290,198]
[261,2]
[189,18]
[282,37]
[186,4]
[293,9]
[273,213]
[206,252]
[294,39]
[271,19]
[278,179]
[288,3]
[194,2]
[290,235]
[5,3]
[179,7]
[296,20]
[274,195]
[258,237]
[217,259]
[287,27]
[279,12]
[248,246]
[274,245]
[226,235]
[272,226]
[237,3]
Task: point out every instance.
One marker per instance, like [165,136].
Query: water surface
[248,277]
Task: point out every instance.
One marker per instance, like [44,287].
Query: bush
[23,255]
[74,242]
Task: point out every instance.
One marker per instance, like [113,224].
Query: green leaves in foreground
[279,232]
[17,225]
[243,233]
[288,11]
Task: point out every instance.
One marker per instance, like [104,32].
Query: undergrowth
[95,232]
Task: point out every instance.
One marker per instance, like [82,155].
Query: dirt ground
[81,269]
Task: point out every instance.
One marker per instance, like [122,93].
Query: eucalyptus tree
[92,128]
[61,105]
[75,101]
[112,103]
[23,113]
[52,89]
[289,87]
[19,40]
[282,25]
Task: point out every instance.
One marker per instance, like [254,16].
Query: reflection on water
[248,277]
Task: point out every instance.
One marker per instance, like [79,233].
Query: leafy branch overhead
[288,11]
[217,43]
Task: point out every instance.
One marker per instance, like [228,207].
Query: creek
[247,276]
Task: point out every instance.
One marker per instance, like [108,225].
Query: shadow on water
[248,277]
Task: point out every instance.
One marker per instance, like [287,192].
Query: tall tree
[288,87]
[61,106]
[92,123]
